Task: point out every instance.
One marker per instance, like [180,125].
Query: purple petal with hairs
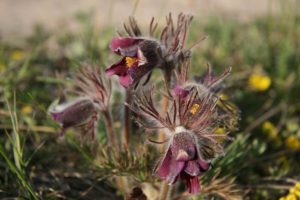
[163,169]
[192,168]
[74,113]
[180,92]
[118,68]
[118,43]
[125,80]
[203,164]
[192,183]
[175,170]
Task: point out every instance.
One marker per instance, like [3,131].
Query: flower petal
[182,156]
[180,92]
[118,68]
[163,168]
[204,165]
[119,43]
[125,80]
[175,169]
[74,113]
[192,168]
[192,183]
[57,116]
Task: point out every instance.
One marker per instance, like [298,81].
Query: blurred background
[43,43]
[17,17]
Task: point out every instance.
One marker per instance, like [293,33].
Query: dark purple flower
[139,57]
[182,160]
[78,113]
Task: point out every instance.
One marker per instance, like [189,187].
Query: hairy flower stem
[127,122]
[165,191]
[165,102]
[111,134]
[165,188]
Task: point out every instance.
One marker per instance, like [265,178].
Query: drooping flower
[83,112]
[182,160]
[190,128]
[139,57]
[78,113]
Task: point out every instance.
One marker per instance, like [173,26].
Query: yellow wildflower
[26,109]
[259,82]
[292,142]
[17,55]
[295,191]
[269,129]
[291,197]
[297,186]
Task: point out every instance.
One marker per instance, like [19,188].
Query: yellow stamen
[130,61]
[195,108]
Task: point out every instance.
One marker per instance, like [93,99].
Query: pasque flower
[83,112]
[139,57]
[183,160]
[79,113]
[190,126]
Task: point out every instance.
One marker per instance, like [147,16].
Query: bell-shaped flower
[139,57]
[79,113]
[183,160]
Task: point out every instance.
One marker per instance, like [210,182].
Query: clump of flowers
[193,113]
[294,193]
